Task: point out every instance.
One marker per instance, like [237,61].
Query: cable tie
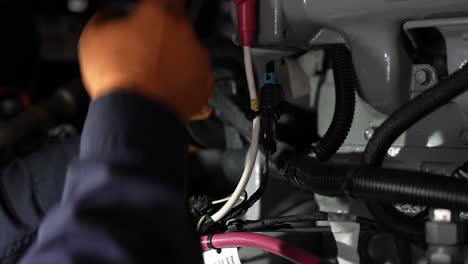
[209,243]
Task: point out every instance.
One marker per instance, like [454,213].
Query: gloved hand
[151,51]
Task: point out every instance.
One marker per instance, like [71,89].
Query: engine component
[395,125]
[412,112]
[445,238]
[379,51]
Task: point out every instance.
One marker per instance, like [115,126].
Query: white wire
[226,199]
[245,176]
[253,150]
[250,73]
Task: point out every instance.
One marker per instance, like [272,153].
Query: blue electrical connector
[271,100]
[270,78]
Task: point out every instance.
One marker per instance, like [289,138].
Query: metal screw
[422,77]
[369,133]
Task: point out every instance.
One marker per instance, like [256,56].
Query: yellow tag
[254,105]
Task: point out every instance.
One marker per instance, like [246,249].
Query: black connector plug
[271,101]
[202,205]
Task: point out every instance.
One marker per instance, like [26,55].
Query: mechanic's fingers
[104,20]
[204,113]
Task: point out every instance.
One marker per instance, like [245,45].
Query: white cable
[253,150]
[250,73]
[249,165]
[226,199]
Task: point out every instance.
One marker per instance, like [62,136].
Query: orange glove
[152,51]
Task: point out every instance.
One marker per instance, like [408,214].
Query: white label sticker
[227,256]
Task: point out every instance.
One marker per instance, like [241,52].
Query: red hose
[267,243]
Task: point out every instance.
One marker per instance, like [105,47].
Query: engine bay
[340,127]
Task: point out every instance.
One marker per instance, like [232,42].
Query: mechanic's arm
[124,198]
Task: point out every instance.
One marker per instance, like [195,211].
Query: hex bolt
[369,133]
[422,77]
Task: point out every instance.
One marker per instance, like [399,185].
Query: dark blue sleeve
[124,197]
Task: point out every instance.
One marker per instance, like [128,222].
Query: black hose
[415,110]
[346,84]
[378,184]
[393,127]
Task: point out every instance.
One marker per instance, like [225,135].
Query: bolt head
[369,133]
[422,77]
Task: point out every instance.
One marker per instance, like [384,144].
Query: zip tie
[209,243]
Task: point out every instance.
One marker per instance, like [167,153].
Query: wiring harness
[268,112]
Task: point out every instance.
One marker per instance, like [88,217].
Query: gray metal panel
[383,67]
[372,29]
[455,33]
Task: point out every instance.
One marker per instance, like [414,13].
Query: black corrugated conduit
[346,84]
[368,183]
[415,110]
